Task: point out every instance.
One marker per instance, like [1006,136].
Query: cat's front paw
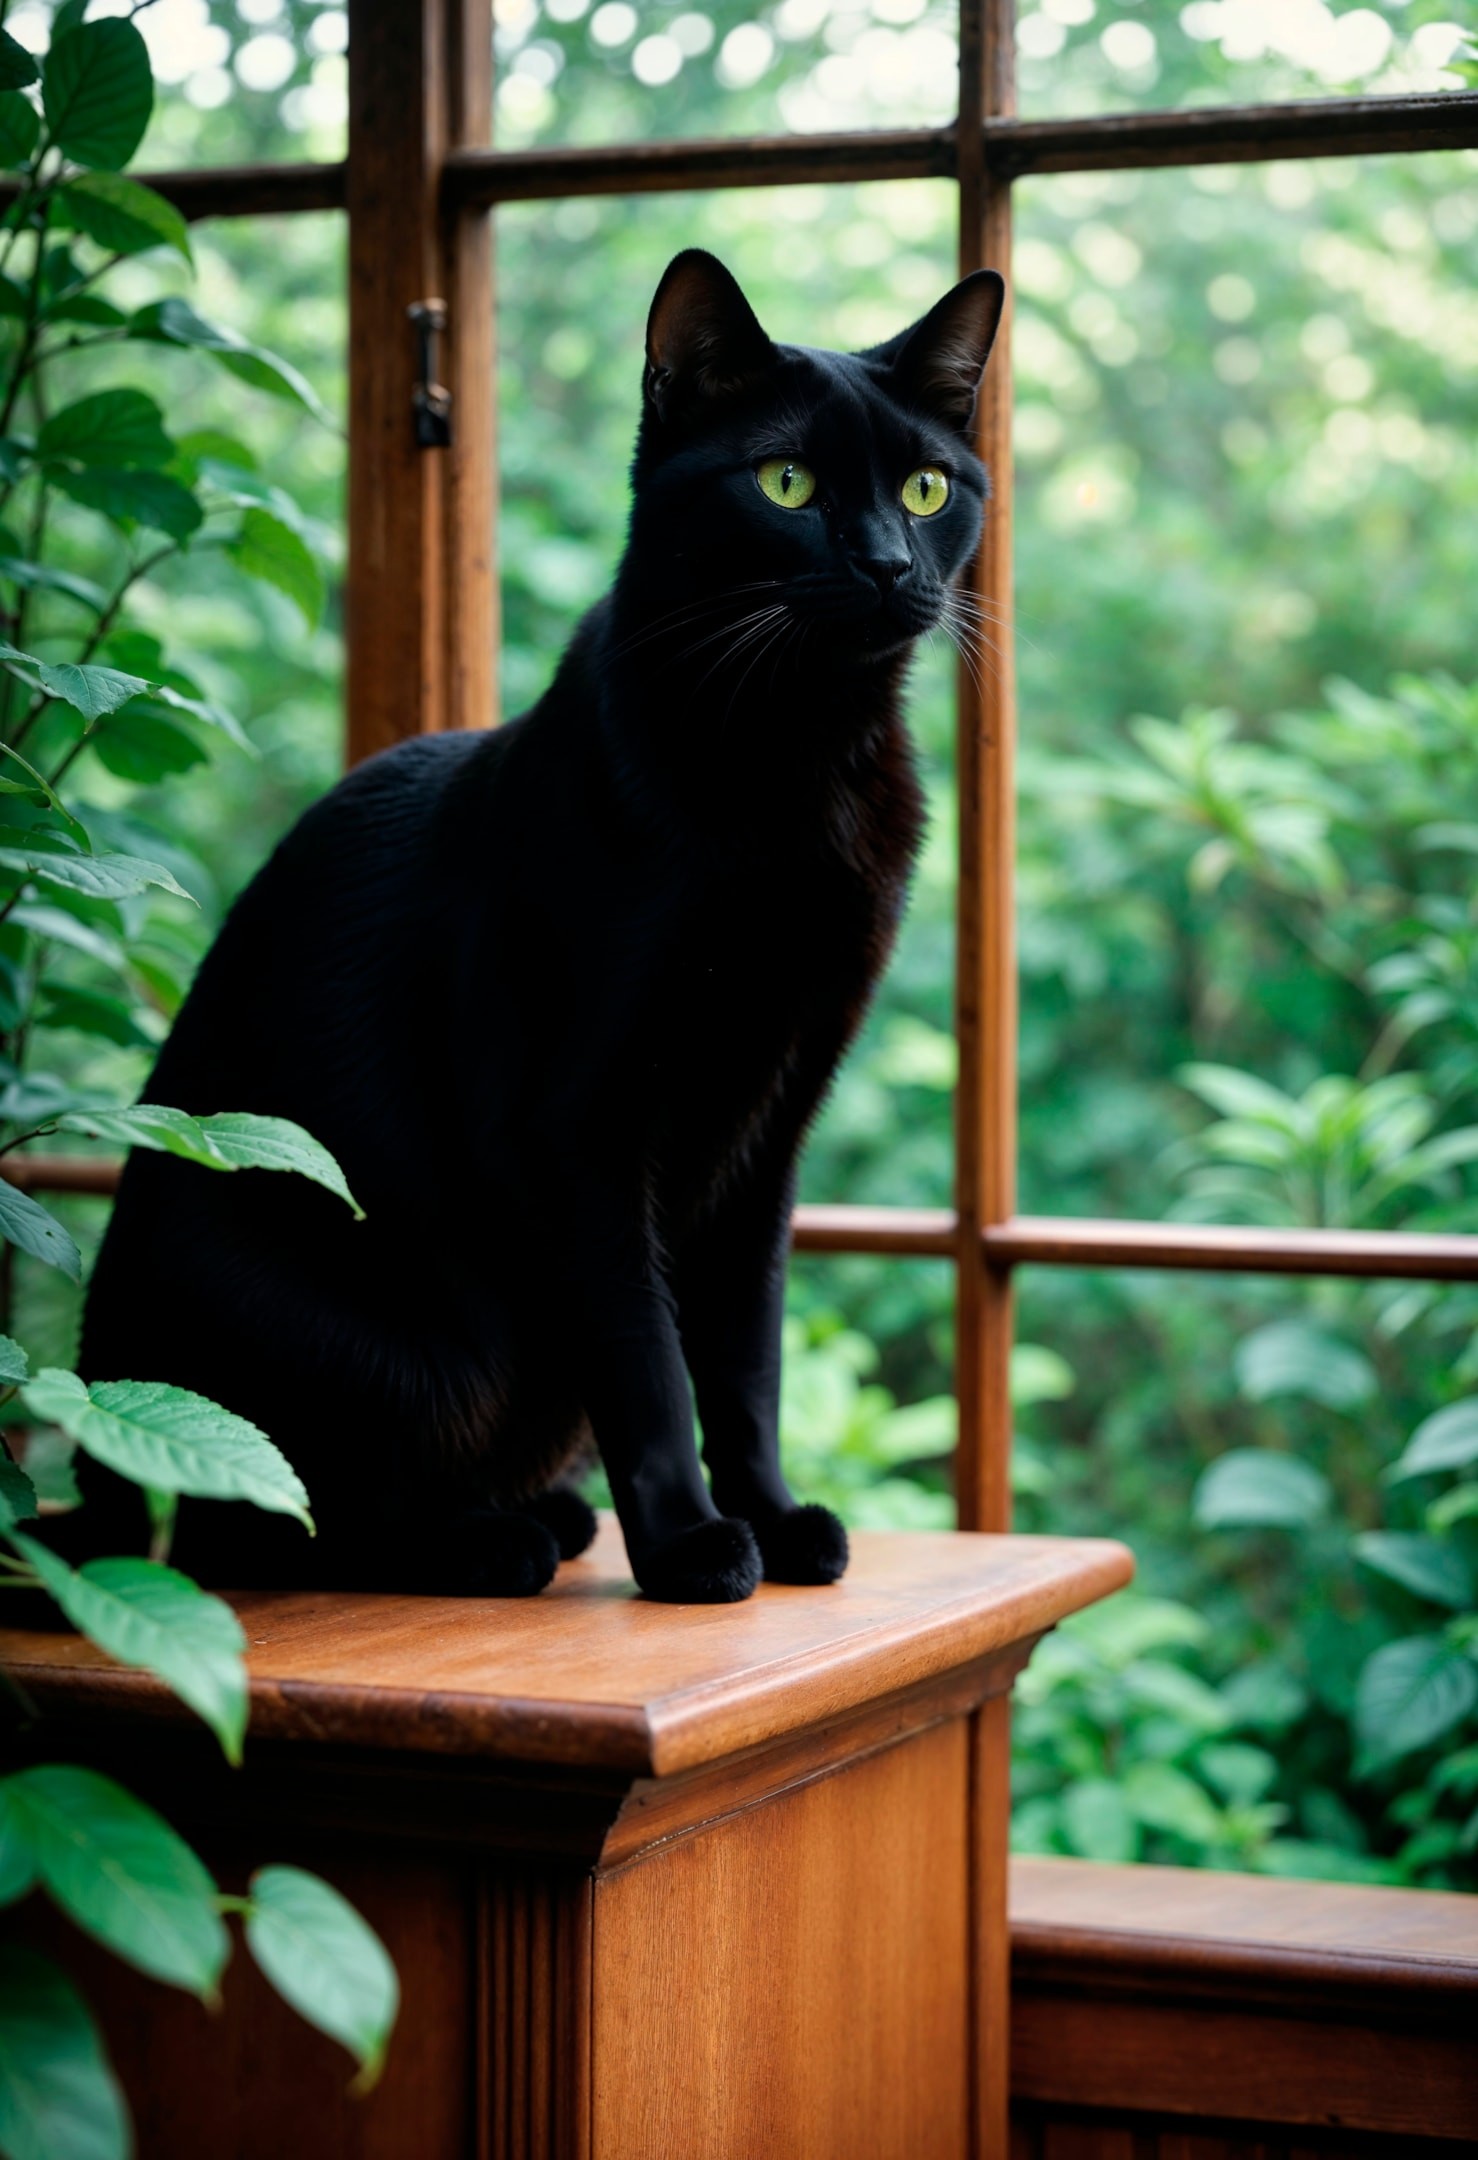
[714,1563]
[493,1552]
[802,1545]
[567,1516]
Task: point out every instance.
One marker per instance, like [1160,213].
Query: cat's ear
[703,340]
[937,365]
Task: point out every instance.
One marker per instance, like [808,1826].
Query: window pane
[840,267]
[868,1416]
[1248,540]
[1075,56]
[1283,1686]
[630,70]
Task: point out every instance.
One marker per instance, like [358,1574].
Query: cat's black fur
[563,999]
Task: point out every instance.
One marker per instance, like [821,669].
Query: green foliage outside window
[99,498]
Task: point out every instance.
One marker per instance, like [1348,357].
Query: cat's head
[840,487]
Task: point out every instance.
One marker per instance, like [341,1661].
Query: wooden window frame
[419,185]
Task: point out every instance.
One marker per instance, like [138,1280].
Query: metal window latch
[431,401]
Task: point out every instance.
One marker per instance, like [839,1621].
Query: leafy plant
[97,498]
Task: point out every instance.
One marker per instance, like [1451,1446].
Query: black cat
[563,999]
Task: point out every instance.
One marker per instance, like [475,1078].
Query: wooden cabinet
[714,1883]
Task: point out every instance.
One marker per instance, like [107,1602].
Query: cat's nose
[880,551]
[886,569]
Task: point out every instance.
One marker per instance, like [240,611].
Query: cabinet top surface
[591,1674]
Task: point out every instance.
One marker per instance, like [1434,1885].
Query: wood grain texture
[990,1962]
[795,1982]
[1182,1994]
[255,2082]
[592,1674]
[533,2014]
[985,763]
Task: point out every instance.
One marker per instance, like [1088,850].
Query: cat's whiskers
[747,628]
[674,618]
[775,637]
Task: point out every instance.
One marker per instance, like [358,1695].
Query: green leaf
[132,498]
[248,1142]
[228,1140]
[123,428]
[17,1494]
[175,322]
[1410,1693]
[14,1365]
[27,1226]
[17,1862]
[1255,1488]
[151,1616]
[93,690]
[1294,1357]
[59,2099]
[1164,1798]
[17,68]
[100,877]
[20,128]
[146,1125]
[84,307]
[94,1012]
[1098,1821]
[1447,1440]
[326,1961]
[268,549]
[143,746]
[119,1871]
[210,444]
[122,216]
[47,578]
[170,1439]
[1431,1568]
[97,91]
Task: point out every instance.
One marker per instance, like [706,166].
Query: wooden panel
[1181,1994]
[985,920]
[590,1673]
[201,2084]
[533,2015]
[845,1911]
[1196,1924]
[990,1965]
[1038,2134]
[1167,2057]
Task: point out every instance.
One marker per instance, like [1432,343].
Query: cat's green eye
[787,482]
[925,491]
